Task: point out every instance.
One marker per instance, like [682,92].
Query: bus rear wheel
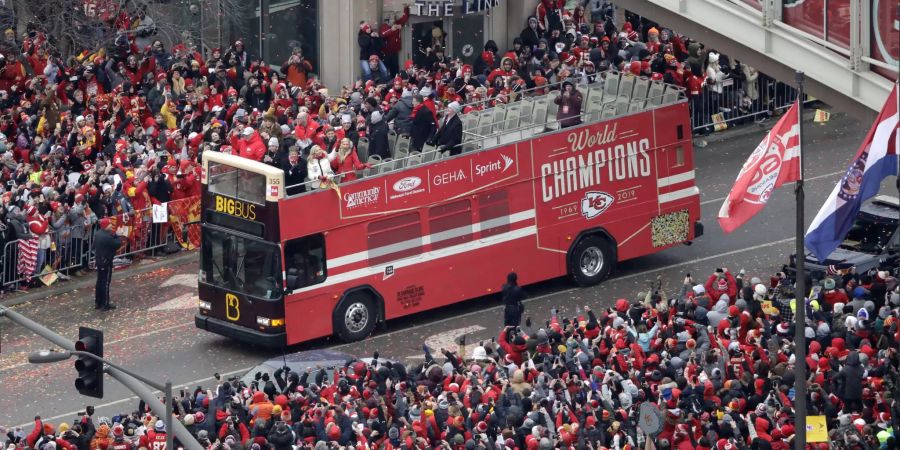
[356,317]
[591,261]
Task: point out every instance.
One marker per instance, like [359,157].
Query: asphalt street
[152,331]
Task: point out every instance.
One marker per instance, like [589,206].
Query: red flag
[775,161]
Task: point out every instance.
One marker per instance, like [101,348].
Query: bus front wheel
[356,317]
[591,261]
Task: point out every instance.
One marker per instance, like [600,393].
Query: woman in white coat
[318,168]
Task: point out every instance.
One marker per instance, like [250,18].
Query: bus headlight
[202,275]
[204,305]
[266,322]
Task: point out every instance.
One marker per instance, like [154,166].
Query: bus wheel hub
[591,261]
[356,318]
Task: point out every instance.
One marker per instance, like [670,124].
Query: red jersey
[121,445]
[154,441]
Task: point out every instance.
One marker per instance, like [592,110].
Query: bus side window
[394,238]
[450,224]
[493,212]
[304,261]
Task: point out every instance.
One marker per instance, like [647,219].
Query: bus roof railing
[549,126]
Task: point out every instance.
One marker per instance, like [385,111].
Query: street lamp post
[50,356]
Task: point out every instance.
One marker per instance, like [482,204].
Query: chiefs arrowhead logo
[595,203]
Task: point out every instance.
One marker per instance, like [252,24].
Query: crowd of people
[113,132]
[715,357]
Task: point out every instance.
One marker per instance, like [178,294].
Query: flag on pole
[775,161]
[874,161]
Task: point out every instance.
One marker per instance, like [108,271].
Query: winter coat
[530,36]
[281,440]
[695,59]
[369,46]
[252,148]
[316,168]
[346,168]
[850,378]
[401,114]
[105,246]
[378,138]
[569,109]
[423,128]
[294,176]
[714,74]
[719,312]
[81,223]
[449,135]
[512,301]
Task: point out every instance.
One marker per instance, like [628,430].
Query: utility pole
[800,294]
[174,427]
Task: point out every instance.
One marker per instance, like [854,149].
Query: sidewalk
[87,282]
[733,132]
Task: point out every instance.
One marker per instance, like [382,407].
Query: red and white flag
[775,161]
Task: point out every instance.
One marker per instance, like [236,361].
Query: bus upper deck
[613,94]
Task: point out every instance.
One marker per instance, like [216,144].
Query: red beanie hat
[733,311]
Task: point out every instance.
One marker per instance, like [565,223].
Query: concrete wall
[338,27]
[339,24]
[516,19]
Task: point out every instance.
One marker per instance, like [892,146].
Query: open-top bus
[426,230]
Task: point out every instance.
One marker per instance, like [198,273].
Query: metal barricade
[56,253]
[61,254]
[737,102]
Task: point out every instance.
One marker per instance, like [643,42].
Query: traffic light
[90,370]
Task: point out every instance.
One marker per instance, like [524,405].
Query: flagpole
[800,294]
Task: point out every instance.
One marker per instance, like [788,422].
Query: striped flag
[875,160]
[775,161]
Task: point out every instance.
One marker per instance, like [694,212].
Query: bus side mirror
[292,282]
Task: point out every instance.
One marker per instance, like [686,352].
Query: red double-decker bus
[428,231]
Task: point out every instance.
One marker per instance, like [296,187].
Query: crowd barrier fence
[59,255]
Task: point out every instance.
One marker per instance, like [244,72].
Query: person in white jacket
[318,168]
[714,81]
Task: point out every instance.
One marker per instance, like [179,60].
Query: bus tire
[591,260]
[356,317]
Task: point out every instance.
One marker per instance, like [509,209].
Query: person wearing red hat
[371,46]
[106,243]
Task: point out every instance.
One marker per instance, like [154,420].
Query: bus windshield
[240,264]
[237,183]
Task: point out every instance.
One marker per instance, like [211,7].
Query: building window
[291,23]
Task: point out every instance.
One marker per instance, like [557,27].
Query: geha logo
[595,203]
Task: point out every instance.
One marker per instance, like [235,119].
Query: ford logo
[407,184]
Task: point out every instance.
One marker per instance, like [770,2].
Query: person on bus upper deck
[449,135]
[271,154]
[423,124]
[401,113]
[348,130]
[569,101]
[378,135]
[318,168]
[345,161]
[249,145]
[294,173]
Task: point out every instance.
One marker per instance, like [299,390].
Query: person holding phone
[512,301]
[106,243]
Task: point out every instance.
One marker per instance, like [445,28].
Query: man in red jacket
[249,144]
[392,44]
